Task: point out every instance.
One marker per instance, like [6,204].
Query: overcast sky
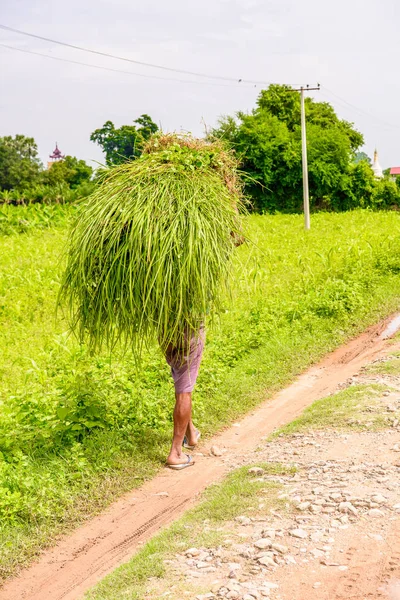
[351,47]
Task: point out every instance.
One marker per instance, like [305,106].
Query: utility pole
[306,199]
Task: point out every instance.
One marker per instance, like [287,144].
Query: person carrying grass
[149,258]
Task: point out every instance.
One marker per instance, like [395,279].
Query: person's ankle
[176,453]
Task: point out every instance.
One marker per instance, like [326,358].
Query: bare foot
[192,435]
[177,458]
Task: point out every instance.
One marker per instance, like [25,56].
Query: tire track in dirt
[82,558]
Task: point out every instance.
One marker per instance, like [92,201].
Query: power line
[130,60]
[361,111]
[75,62]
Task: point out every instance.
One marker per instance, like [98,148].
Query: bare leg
[182,423]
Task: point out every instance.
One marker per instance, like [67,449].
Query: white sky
[349,46]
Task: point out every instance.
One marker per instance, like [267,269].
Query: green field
[76,431]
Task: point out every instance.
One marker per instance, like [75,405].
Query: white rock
[256,471]
[192,552]
[263,543]
[280,548]
[268,533]
[204,556]
[267,561]
[347,507]
[299,533]
[335,496]
[379,499]
[270,585]
[375,513]
[216,451]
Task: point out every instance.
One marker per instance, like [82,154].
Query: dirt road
[84,557]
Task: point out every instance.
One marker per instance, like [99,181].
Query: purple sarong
[185,361]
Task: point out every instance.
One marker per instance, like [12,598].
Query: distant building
[56,156]
[376,167]
[394,173]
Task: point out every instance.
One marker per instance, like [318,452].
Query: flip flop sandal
[186,444]
[180,466]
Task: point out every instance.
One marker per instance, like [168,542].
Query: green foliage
[59,193]
[386,194]
[19,163]
[22,219]
[268,140]
[75,428]
[126,142]
[151,248]
[281,102]
[362,156]
[23,180]
[70,170]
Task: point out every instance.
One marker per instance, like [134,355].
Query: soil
[370,552]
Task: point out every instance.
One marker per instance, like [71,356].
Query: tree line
[267,141]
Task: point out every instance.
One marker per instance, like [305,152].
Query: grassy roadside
[200,527]
[357,407]
[365,406]
[74,429]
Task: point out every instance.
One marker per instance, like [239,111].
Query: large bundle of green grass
[149,254]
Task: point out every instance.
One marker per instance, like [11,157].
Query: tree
[70,170]
[386,194]
[268,141]
[125,143]
[19,163]
[362,156]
